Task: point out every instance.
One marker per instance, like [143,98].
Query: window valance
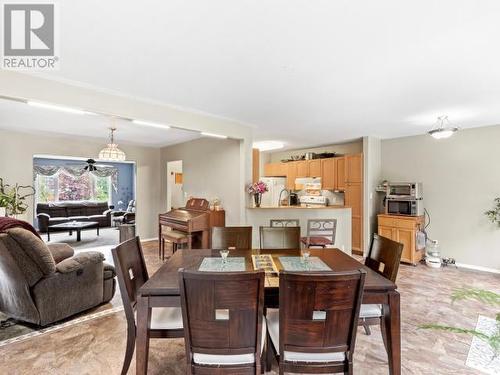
[77,171]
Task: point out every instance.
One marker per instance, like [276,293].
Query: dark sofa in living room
[60,212]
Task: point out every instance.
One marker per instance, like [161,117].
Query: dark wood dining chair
[279,238]
[284,223]
[384,258]
[314,329]
[237,238]
[224,322]
[320,233]
[166,322]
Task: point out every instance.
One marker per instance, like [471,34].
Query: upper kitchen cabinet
[340,173]
[275,170]
[328,174]
[315,168]
[302,168]
[354,168]
[291,175]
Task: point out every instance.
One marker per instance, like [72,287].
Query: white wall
[461,177]
[211,169]
[16,166]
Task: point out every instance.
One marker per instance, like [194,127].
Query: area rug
[481,356]
[90,239]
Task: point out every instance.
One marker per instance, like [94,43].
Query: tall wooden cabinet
[353,174]
[403,229]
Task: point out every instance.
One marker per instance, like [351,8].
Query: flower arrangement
[257,188]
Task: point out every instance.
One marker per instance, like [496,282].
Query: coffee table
[76,226]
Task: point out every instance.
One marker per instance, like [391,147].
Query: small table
[74,226]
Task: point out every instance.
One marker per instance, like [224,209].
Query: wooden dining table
[162,290]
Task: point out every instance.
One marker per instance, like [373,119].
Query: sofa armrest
[43,215]
[79,261]
[107,212]
[43,221]
[60,251]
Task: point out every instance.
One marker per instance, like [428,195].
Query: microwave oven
[406,207]
[405,190]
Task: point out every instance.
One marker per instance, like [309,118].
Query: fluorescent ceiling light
[213,135]
[56,107]
[268,145]
[152,124]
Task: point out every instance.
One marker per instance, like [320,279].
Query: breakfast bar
[261,216]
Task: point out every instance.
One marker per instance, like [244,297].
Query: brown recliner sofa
[61,212]
[42,284]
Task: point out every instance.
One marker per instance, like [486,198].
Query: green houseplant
[484,296]
[494,214]
[13,198]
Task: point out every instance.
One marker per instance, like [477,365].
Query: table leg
[78,235]
[48,234]
[159,240]
[393,333]
[142,338]
[97,229]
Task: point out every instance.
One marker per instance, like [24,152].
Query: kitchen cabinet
[340,173]
[314,168]
[291,175]
[353,198]
[275,170]
[403,229]
[302,168]
[328,174]
[354,168]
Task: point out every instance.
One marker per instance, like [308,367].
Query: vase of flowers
[257,189]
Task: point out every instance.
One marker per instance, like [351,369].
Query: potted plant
[13,198]
[257,189]
[484,296]
[494,214]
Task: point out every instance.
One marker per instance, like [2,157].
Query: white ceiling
[22,117]
[306,72]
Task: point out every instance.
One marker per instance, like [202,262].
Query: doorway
[175,180]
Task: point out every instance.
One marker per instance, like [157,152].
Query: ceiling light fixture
[214,135]
[152,124]
[268,145]
[443,128]
[111,151]
[56,107]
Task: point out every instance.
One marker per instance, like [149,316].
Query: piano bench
[175,237]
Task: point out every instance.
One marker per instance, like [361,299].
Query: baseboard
[357,252]
[477,268]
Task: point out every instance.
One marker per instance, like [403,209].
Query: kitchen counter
[261,216]
[332,207]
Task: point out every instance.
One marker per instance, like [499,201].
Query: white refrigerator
[275,185]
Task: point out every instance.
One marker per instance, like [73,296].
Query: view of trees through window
[63,187]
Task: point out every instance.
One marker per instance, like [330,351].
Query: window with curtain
[65,187]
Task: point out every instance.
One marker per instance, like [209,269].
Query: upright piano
[196,220]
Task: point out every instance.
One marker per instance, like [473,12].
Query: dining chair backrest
[284,223]
[279,238]
[384,257]
[319,311]
[222,312]
[326,228]
[238,238]
[131,272]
